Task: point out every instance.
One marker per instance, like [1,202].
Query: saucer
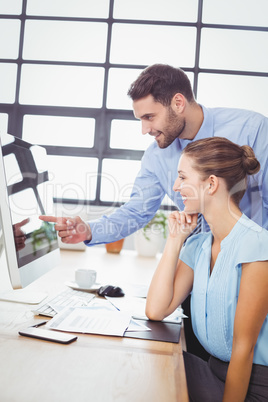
[75,286]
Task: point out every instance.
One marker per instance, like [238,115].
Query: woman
[226,270]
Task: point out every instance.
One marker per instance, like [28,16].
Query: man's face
[162,122]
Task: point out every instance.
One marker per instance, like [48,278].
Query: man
[164,103]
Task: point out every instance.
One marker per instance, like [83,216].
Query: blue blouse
[214,297]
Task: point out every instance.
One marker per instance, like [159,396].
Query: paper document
[136,326]
[136,307]
[135,290]
[91,321]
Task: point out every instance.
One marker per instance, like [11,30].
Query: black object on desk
[111,291]
[160,331]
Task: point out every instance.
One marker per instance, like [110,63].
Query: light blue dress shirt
[214,297]
[159,171]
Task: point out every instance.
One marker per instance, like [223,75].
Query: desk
[94,368]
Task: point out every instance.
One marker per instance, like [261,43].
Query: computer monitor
[28,245]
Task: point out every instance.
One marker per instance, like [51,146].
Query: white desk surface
[94,368]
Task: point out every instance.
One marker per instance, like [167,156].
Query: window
[59,130]
[124,135]
[73,177]
[8,81]
[66,66]
[130,44]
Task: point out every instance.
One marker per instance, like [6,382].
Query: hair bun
[250,162]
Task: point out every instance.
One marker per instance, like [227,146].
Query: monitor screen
[31,246]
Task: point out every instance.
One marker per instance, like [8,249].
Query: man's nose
[145,128]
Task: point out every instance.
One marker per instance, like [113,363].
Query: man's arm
[260,147]
[259,144]
[145,200]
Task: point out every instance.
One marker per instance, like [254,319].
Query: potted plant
[115,247]
[150,239]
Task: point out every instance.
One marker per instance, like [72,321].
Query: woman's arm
[252,308]
[173,279]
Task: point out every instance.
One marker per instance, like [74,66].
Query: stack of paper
[100,317]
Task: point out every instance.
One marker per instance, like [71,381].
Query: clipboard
[160,331]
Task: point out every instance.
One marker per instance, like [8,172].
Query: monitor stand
[22,296]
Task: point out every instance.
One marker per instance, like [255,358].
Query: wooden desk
[94,368]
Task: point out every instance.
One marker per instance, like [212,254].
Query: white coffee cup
[85,278]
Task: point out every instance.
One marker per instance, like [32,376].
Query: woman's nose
[177,185]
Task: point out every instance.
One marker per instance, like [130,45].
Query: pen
[39,324]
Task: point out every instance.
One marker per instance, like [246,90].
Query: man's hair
[162,82]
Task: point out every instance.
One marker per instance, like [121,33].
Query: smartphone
[48,335]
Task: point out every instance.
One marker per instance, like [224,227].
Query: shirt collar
[206,129]
[208,241]
[243,223]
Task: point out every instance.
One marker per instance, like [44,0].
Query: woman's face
[190,185]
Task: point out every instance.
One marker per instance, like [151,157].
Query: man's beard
[173,129]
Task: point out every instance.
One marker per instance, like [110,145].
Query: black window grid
[103,116]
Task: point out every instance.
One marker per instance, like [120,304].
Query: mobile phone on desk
[48,335]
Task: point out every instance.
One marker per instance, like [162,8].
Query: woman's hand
[181,224]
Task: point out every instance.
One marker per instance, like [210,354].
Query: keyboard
[66,298]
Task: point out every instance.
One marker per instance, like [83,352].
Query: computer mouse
[111,291]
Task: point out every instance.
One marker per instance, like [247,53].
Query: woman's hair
[162,82]
[221,157]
